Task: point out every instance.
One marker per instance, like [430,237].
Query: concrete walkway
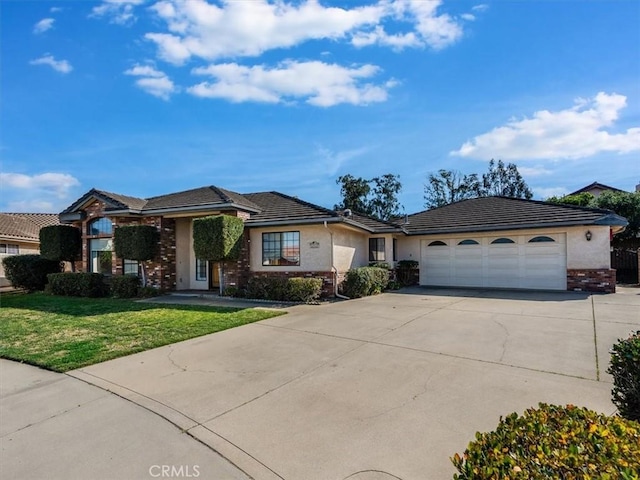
[377,388]
[53,426]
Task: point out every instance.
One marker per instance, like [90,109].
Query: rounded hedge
[625,369]
[29,271]
[554,442]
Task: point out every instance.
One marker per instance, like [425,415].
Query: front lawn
[63,333]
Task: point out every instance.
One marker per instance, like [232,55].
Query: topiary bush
[61,243]
[553,441]
[217,238]
[29,271]
[136,242]
[365,281]
[305,290]
[124,286]
[407,272]
[78,284]
[625,369]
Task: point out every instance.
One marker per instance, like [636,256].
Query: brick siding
[592,280]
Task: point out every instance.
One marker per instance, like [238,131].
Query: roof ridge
[543,202]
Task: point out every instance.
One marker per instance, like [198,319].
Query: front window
[130,267]
[10,248]
[281,249]
[376,250]
[101,255]
[100,226]
[201,269]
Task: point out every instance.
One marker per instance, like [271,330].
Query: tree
[136,242]
[450,186]
[377,197]
[627,205]
[354,193]
[584,199]
[61,243]
[384,204]
[504,181]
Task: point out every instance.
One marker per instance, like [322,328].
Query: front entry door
[214,276]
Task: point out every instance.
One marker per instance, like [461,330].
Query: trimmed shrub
[78,284]
[62,243]
[136,242]
[384,265]
[407,272]
[124,286]
[217,238]
[29,271]
[625,369]
[305,290]
[148,292]
[554,442]
[296,289]
[365,281]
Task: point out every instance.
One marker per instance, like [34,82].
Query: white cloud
[57,184]
[321,84]
[43,25]
[573,133]
[118,11]
[249,28]
[546,192]
[61,66]
[333,161]
[31,206]
[55,9]
[480,8]
[152,81]
[536,171]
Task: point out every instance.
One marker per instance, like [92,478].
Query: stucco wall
[350,249]
[589,255]
[581,254]
[312,258]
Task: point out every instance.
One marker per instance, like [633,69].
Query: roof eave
[300,221]
[195,208]
[603,221]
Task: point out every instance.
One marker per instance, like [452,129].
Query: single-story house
[596,189]
[20,235]
[485,242]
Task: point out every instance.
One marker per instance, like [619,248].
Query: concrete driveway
[378,388]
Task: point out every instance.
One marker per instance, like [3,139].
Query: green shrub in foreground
[305,290]
[29,271]
[568,443]
[124,286]
[77,284]
[625,369]
[296,289]
[365,281]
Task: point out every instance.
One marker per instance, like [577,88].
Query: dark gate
[626,264]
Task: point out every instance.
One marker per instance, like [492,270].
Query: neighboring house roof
[502,213]
[595,186]
[25,226]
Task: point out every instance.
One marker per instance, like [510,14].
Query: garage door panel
[522,264]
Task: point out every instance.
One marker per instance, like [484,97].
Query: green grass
[64,333]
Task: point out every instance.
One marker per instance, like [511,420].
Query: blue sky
[145,98]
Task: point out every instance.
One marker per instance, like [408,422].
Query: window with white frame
[130,267]
[10,248]
[201,269]
[281,248]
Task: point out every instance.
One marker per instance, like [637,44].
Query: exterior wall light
[587,235]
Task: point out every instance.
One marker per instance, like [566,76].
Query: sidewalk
[53,426]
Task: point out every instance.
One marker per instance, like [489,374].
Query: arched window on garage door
[437,243]
[502,240]
[468,241]
[541,239]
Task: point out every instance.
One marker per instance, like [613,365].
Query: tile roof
[374,224]
[199,196]
[278,206]
[597,185]
[502,213]
[25,226]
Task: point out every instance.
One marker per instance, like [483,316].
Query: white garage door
[510,261]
